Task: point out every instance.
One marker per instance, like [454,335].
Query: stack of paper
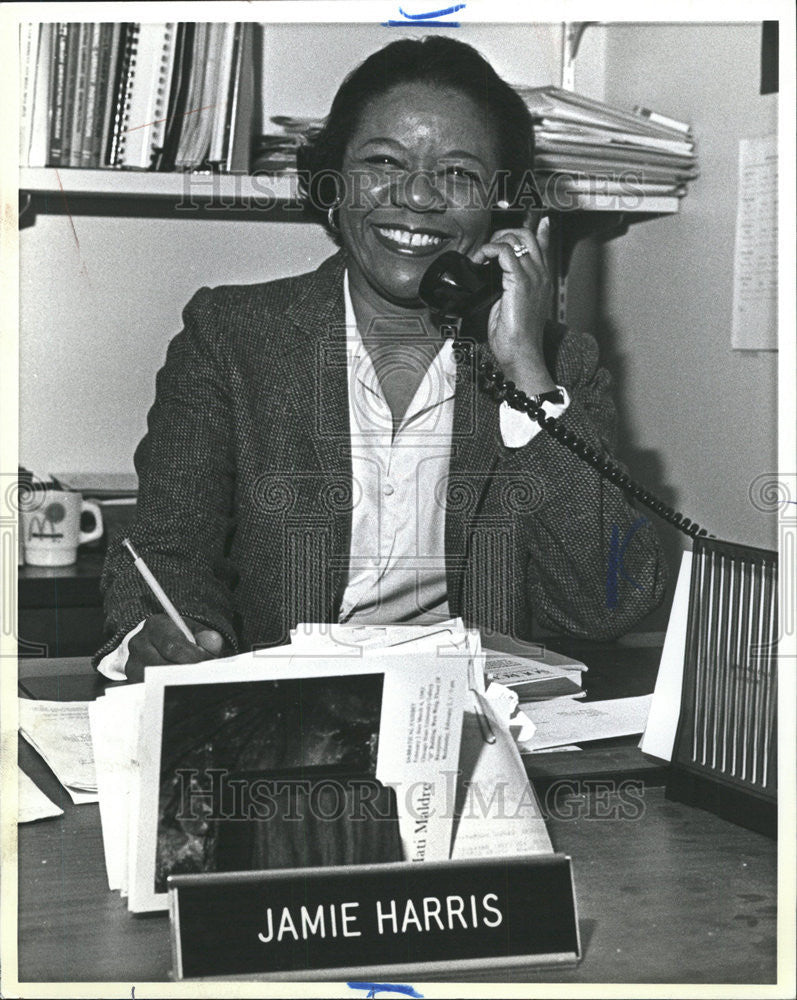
[275,151]
[115,721]
[585,148]
[59,732]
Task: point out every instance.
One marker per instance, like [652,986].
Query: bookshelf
[113,183]
[110,192]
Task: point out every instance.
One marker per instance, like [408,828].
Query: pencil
[484,723]
[159,592]
[478,703]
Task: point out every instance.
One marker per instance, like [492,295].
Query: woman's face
[416,173]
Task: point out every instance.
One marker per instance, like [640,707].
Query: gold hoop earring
[331,218]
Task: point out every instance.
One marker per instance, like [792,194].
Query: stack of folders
[586,149]
[143,96]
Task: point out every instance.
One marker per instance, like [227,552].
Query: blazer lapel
[476,451]
[313,365]
[312,369]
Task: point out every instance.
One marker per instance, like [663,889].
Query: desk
[60,608]
[676,895]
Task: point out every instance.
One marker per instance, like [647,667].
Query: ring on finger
[520,250]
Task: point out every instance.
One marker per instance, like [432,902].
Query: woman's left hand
[517,320]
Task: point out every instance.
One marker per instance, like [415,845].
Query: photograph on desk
[293,761]
[267,736]
[397,363]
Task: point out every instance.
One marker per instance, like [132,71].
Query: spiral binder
[725,755]
[149,57]
[164,71]
[124,90]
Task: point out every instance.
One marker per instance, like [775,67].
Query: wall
[98,306]
[699,418]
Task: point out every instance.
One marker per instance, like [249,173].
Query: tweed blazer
[246,494]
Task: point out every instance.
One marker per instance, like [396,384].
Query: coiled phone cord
[506,390]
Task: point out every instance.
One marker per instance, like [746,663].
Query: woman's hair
[439,62]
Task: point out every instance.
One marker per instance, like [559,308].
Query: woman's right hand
[160,642]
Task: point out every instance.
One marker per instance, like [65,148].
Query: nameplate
[341,922]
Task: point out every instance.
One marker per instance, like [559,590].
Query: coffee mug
[51,528]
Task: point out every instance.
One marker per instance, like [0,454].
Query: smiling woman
[313,452]
[414,191]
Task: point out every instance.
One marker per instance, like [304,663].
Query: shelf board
[146,184]
[256,191]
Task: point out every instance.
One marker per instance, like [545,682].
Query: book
[639,165]
[628,201]
[648,172]
[28,52]
[124,80]
[242,110]
[88,141]
[602,185]
[149,76]
[70,85]
[80,94]
[176,121]
[36,152]
[107,92]
[533,679]
[194,110]
[613,153]
[217,153]
[208,72]
[139,96]
[60,44]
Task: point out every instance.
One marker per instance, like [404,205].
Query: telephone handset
[460,294]
[455,287]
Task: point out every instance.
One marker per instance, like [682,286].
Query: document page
[659,735]
[33,803]
[755,266]
[114,721]
[565,721]
[532,679]
[59,732]
[498,814]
